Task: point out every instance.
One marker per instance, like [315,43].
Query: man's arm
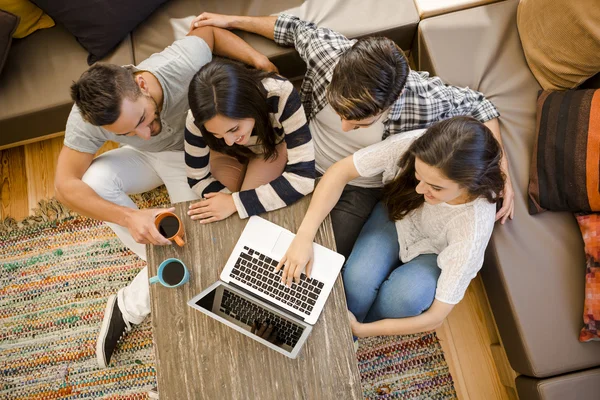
[226,44]
[508,194]
[315,45]
[78,196]
[264,26]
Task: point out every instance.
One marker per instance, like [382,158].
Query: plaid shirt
[424,101]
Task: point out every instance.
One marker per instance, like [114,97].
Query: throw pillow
[590,229]
[8,26]
[99,26]
[561,40]
[32,18]
[564,173]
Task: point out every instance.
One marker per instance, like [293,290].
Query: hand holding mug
[142,228]
[170,227]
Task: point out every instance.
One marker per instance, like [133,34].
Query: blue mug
[171,273]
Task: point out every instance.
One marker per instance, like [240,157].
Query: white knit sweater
[459,234]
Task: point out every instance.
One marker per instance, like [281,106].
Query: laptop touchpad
[282,244]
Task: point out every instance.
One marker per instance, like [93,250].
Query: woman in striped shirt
[248,148]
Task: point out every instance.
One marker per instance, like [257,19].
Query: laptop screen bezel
[295,350]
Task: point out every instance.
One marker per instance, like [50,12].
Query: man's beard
[156,118]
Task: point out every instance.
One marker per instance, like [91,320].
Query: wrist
[358,329]
[125,216]
[232,203]
[305,234]
[236,22]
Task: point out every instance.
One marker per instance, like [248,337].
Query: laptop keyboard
[248,312]
[256,270]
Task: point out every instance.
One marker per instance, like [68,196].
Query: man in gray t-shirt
[144,109]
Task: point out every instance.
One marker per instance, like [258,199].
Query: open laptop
[250,290]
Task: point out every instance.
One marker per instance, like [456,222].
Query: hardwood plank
[34,140]
[472,340]
[13,186]
[452,358]
[40,164]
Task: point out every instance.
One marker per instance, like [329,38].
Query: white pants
[115,175]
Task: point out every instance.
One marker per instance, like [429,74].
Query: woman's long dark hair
[463,149]
[235,91]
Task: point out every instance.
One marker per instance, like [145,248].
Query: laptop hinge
[277,306]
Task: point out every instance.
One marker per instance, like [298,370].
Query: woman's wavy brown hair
[463,149]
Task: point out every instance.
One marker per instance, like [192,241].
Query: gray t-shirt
[174,68]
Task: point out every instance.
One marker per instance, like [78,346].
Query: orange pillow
[561,40]
[32,17]
[590,229]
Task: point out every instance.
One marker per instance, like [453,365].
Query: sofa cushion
[533,269]
[172,21]
[99,26]
[32,17]
[35,83]
[577,386]
[589,224]
[394,19]
[431,8]
[561,40]
[564,166]
[8,25]
[353,18]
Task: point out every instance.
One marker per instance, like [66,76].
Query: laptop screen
[251,316]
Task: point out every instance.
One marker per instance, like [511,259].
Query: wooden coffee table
[198,357]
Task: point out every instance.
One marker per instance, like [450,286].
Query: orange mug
[170,226]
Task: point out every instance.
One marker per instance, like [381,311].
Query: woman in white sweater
[425,241]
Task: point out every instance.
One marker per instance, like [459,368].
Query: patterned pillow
[564,173]
[590,229]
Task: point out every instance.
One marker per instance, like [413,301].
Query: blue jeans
[377,284]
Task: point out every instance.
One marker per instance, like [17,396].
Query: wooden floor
[469,338]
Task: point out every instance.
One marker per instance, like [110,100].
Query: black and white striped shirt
[289,124]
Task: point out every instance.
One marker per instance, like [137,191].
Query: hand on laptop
[266,331]
[298,255]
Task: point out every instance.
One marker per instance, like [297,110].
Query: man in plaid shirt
[363,84]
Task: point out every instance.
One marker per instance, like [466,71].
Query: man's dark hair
[368,78]
[100,91]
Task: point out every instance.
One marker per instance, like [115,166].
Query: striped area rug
[57,270]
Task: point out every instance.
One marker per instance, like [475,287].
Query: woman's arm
[298,177]
[428,321]
[325,197]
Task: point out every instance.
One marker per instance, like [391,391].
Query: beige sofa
[34,84]
[535,266]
